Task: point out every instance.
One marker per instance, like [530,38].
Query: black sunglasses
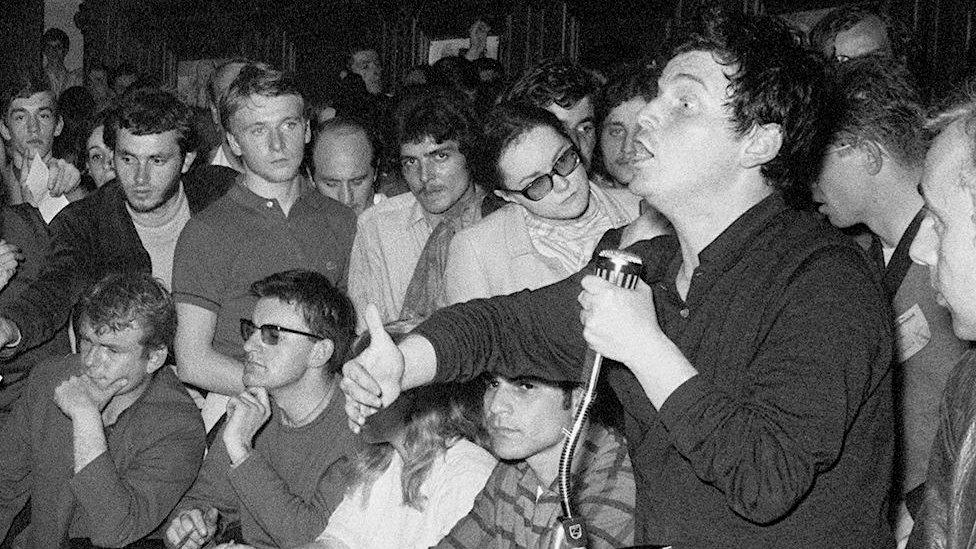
[270,334]
[541,186]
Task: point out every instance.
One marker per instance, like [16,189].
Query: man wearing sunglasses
[275,469]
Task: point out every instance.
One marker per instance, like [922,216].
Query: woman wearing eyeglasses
[554,216]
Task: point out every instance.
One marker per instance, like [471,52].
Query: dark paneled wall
[21,27]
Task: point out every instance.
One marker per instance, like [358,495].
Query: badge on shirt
[912,332]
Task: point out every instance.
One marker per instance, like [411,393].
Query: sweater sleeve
[15,464]
[287,519]
[131,502]
[533,332]
[763,445]
[44,306]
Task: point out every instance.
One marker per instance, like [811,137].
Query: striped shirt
[515,510]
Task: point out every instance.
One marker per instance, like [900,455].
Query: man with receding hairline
[345,164]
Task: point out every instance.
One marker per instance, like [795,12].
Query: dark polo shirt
[785,437]
[242,238]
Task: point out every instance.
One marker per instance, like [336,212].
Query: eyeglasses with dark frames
[270,333]
[541,186]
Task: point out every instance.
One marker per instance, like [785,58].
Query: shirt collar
[249,199]
[734,241]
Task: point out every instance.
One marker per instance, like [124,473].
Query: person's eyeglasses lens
[542,185]
[270,335]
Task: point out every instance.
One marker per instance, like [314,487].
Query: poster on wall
[452,46]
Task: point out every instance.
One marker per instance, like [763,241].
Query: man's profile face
[617,139]
[269,134]
[366,63]
[31,124]
[109,355]
[282,364]
[686,145]
[842,189]
[866,37]
[580,125]
[525,419]
[946,241]
[437,173]
[149,168]
[343,168]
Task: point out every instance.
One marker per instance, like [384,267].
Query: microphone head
[620,267]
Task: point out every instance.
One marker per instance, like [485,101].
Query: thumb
[211,516]
[377,333]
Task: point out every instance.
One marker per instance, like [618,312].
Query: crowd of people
[368,321]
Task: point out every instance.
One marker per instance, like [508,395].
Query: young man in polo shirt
[271,220]
[755,361]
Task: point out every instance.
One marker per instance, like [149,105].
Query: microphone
[623,269]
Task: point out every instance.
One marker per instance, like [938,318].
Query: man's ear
[157,357]
[873,156]
[322,351]
[235,147]
[762,144]
[59,126]
[188,161]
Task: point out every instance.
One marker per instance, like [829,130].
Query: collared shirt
[786,429]
[515,510]
[242,238]
[389,240]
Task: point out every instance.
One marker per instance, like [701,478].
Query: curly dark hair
[442,114]
[775,81]
[556,81]
[127,300]
[505,124]
[150,111]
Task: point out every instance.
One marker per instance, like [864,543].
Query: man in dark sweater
[754,359]
[103,442]
[278,467]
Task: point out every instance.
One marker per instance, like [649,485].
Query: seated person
[418,476]
[554,216]
[526,420]
[103,442]
[346,161]
[277,466]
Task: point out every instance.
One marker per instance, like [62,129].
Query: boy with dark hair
[566,90]
[103,442]
[30,123]
[437,137]
[276,469]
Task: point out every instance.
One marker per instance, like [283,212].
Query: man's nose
[276,140]
[142,172]
[426,170]
[33,124]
